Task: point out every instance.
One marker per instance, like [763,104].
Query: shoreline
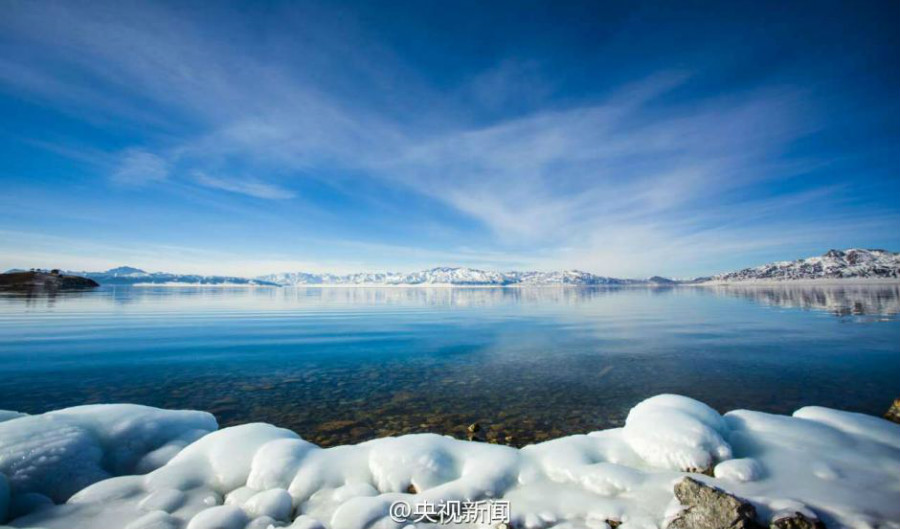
[183,470]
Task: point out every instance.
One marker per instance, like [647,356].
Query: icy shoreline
[132,467]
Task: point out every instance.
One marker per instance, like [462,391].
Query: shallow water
[342,365]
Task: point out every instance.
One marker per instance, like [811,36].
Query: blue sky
[622,138]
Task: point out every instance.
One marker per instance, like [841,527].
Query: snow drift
[841,467]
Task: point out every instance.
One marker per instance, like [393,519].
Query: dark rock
[796,521]
[707,507]
[893,413]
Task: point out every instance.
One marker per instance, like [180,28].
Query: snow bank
[841,467]
[47,458]
[6,415]
[677,433]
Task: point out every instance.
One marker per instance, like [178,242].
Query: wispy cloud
[619,182]
[139,167]
[244,186]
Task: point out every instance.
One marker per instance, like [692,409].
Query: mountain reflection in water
[840,300]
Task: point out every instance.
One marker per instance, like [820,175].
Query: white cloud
[245,186]
[138,167]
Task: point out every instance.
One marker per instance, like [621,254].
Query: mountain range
[126,275]
[452,276]
[836,264]
[853,263]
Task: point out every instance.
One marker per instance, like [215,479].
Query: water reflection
[453,297]
[840,300]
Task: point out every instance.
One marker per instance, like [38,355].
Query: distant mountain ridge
[126,275]
[456,276]
[854,263]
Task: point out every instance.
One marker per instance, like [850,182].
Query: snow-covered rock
[54,455]
[842,468]
[677,433]
[835,264]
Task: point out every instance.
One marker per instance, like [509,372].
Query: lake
[341,365]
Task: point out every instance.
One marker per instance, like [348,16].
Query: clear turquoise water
[347,364]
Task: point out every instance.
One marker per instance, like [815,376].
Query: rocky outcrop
[40,280]
[707,507]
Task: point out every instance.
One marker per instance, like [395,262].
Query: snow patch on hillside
[854,263]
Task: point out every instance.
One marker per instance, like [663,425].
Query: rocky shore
[39,280]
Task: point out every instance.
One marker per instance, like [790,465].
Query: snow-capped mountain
[835,264]
[125,271]
[126,275]
[448,276]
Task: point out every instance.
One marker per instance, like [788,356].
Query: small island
[44,280]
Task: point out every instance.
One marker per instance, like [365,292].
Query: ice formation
[48,458]
[841,467]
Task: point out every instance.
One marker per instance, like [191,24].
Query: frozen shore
[132,467]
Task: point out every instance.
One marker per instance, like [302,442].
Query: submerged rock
[473,432]
[707,507]
[893,413]
[796,521]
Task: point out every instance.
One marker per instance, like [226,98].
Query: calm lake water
[343,365]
